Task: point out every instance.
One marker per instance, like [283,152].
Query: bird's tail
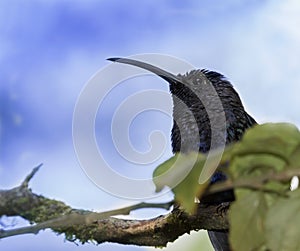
[219,240]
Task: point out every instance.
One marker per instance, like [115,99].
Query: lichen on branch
[84,226]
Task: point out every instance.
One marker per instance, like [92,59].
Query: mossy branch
[84,226]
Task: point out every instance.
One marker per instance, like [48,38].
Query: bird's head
[195,87]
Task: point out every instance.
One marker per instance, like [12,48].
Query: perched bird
[196,113]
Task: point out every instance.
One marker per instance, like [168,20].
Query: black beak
[169,77]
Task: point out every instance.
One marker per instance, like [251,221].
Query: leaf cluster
[260,167]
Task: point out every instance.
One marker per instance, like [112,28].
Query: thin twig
[30,176]
[80,218]
[255,183]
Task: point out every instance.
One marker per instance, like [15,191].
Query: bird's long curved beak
[169,77]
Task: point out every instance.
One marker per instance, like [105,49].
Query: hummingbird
[196,112]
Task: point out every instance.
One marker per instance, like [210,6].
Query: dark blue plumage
[193,125]
[237,119]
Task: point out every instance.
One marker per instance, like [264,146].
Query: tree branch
[84,225]
[30,176]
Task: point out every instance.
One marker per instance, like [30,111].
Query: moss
[81,233]
[48,209]
[176,218]
[42,212]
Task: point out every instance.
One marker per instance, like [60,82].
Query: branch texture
[84,225]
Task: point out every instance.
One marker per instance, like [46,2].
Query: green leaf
[282,224]
[189,189]
[278,139]
[159,175]
[254,165]
[246,218]
[174,170]
[265,150]
[181,173]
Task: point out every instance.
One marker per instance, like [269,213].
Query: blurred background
[50,49]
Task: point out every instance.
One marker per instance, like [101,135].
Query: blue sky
[49,49]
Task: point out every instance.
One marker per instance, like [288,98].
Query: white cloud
[257,50]
[266,60]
